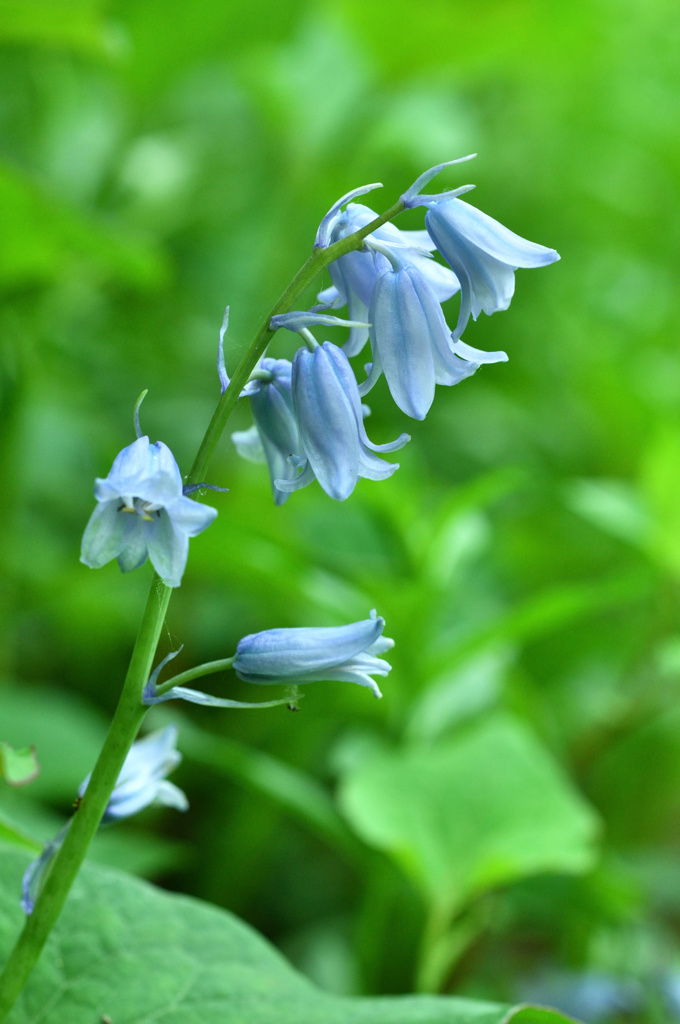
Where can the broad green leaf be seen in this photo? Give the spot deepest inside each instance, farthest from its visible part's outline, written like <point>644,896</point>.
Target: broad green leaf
<point>139,955</point>
<point>478,810</point>
<point>18,767</point>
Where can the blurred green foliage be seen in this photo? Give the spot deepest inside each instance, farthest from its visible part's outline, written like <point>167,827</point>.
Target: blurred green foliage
<point>160,160</point>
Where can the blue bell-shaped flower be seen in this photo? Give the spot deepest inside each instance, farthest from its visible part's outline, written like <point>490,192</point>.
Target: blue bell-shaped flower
<point>410,340</point>
<point>354,275</point>
<point>143,513</point>
<point>275,436</point>
<point>336,449</point>
<point>309,654</point>
<point>483,254</point>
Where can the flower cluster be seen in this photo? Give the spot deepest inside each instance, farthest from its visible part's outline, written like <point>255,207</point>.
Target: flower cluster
<point>309,414</point>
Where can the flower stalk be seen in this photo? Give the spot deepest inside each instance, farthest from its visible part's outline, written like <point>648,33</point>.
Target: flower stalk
<point>130,711</point>
<point>122,733</point>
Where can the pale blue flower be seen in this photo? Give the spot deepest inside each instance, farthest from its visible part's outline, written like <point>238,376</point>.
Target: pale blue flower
<point>354,275</point>
<point>141,782</point>
<point>142,512</point>
<point>336,449</point>
<point>307,655</point>
<point>410,340</point>
<point>36,872</point>
<point>482,253</point>
<point>275,438</point>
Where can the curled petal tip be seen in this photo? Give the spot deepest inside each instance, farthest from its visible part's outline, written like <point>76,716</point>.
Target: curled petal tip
<point>322,239</point>
<point>411,194</point>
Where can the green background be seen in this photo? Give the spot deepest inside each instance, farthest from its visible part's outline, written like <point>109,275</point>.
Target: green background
<point>159,160</point>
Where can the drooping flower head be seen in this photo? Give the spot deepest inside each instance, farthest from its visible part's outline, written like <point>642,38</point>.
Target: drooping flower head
<point>355,274</point>
<point>307,655</point>
<point>275,438</point>
<point>482,252</point>
<point>336,448</point>
<point>142,513</point>
<point>142,779</point>
<point>141,782</point>
<point>410,340</point>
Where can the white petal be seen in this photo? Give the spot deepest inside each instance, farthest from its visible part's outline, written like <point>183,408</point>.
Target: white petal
<point>168,550</point>
<point>248,444</point>
<point>190,517</point>
<point>477,355</point>
<point>104,535</point>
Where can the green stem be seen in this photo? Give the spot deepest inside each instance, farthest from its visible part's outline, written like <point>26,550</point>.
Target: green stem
<point>130,712</point>
<point>207,669</point>
<point>122,732</point>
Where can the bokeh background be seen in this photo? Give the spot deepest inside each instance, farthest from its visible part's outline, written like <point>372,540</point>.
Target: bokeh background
<point>505,823</point>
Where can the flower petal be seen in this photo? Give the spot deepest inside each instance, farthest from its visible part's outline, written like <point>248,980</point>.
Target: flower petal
<point>477,355</point>
<point>490,235</point>
<point>327,424</point>
<point>280,654</point>
<point>248,444</point>
<point>323,235</point>
<point>189,516</point>
<point>135,552</point>
<point>104,535</point>
<point>168,549</point>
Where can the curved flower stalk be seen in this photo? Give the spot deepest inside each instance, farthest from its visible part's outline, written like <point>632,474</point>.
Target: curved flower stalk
<point>354,276</point>
<point>308,655</point>
<point>143,513</point>
<point>336,449</point>
<point>141,782</point>
<point>275,437</point>
<point>482,252</point>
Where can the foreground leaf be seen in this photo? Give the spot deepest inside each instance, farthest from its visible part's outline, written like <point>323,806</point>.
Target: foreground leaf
<point>132,952</point>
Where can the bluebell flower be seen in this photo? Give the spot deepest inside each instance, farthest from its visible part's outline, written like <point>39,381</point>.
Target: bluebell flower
<point>307,655</point>
<point>482,252</point>
<point>141,782</point>
<point>275,438</point>
<point>336,449</point>
<point>410,340</point>
<point>142,512</point>
<point>142,779</point>
<point>354,275</point>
